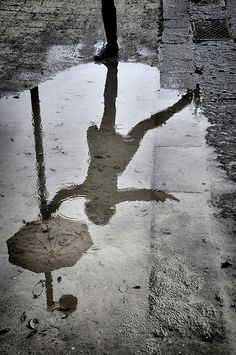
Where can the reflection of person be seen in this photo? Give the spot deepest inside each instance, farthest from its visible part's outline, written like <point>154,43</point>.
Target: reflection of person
<point>110,26</point>
<point>110,153</point>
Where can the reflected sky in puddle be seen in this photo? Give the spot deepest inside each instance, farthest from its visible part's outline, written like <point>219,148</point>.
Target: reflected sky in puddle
<point>94,132</point>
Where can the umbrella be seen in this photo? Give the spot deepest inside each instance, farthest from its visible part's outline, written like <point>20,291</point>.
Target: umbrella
<point>49,245</point>
<point>52,242</point>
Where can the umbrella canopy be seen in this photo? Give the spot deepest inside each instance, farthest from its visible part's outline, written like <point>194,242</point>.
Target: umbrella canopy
<point>49,245</point>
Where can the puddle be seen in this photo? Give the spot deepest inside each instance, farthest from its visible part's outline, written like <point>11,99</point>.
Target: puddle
<point>71,111</point>
<point>104,148</point>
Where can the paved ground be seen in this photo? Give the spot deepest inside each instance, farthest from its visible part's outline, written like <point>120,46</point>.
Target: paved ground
<point>207,63</point>
<point>160,276</point>
<point>210,63</point>
<point>39,39</point>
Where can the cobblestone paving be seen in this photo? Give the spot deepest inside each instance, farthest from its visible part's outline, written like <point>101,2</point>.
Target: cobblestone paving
<point>211,65</point>
<point>215,63</point>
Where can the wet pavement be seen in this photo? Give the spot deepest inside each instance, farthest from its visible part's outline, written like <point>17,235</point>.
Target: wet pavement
<point>110,243</point>
<point>118,171</point>
<point>40,39</point>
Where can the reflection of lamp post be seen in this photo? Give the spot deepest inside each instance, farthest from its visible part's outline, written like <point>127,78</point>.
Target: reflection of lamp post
<point>67,303</point>
<point>40,165</point>
<point>54,242</point>
<point>49,289</point>
<point>49,245</point>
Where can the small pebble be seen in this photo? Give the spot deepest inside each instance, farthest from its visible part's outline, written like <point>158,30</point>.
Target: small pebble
<point>225,265</point>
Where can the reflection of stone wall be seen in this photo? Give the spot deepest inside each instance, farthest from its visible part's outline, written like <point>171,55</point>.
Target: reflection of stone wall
<point>40,38</point>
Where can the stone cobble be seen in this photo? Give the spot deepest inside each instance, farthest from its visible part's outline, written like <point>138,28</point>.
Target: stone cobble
<point>217,80</point>
<point>210,64</point>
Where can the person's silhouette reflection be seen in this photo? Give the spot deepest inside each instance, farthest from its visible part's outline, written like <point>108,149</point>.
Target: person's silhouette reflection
<point>110,152</point>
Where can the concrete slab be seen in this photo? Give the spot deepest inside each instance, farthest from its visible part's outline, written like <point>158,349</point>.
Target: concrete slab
<point>176,80</point>
<point>189,175</point>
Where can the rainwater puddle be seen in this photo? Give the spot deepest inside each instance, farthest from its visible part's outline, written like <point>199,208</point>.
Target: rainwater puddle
<point>107,150</point>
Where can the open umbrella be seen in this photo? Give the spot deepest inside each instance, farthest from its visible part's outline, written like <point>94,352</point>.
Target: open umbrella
<point>52,242</point>
<point>49,245</point>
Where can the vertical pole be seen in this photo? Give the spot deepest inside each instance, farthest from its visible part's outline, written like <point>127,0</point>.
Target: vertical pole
<point>40,165</point>
<point>49,289</point>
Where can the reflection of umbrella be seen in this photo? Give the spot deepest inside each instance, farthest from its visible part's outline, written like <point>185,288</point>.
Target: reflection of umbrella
<point>49,245</point>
